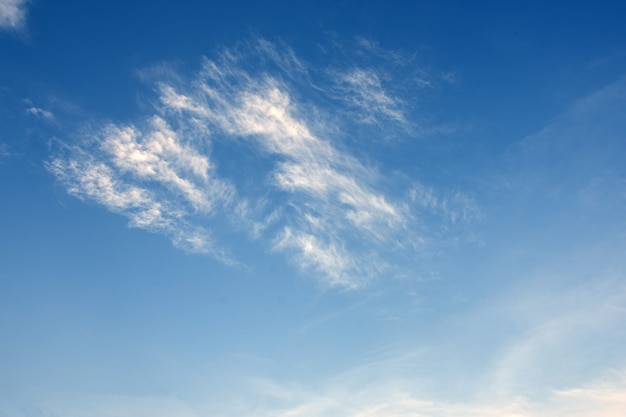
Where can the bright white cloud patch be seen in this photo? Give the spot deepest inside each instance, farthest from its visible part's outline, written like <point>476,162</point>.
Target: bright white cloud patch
<point>299,193</point>
<point>150,177</point>
<point>12,14</point>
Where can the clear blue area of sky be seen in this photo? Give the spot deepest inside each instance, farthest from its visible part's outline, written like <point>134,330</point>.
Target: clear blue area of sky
<point>343,208</point>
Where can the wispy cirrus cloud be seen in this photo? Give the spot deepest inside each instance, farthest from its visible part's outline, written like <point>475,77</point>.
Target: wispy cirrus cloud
<point>39,112</point>
<point>13,14</point>
<point>543,365</point>
<point>605,397</point>
<point>363,89</point>
<point>5,152</point>
<point>540,333</point>
<point>148,176</point>
<point>581,148</point>
<point>302,193</point>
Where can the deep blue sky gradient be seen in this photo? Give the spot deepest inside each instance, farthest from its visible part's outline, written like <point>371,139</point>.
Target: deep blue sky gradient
<point>500,292</point>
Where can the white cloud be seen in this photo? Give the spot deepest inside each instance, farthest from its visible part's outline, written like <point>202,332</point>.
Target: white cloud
<point>540,373</point>
<point>328,258</point>
<point>325,183</point>
<point>311,198</point>
<point>142,174</point>
<point>36,111</point>
<point>380,398</point>
<point>605,397</point>
<point>12,14</point>
<point>549,350</point>
<point>455,206</point>
<point>5,152</point>
<point>394,381</point>
<point>363,88</point>
<point>158,155</point>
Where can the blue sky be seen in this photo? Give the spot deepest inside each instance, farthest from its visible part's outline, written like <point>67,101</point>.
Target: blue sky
<point>312,209</point>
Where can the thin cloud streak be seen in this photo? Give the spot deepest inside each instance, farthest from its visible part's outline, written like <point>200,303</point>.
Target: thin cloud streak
<point>390,384</point>
<point>604,397</point>
<point>363,89</point>
<point>5,152</point>
<point>36,111</point>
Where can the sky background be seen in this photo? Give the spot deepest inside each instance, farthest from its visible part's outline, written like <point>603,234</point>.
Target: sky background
<point>298,209</point>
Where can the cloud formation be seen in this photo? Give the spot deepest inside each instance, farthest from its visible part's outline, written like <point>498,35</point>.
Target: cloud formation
<point>542,366</point>
<point>12,14</point>
<point>36,111</point>
<point>5,153</point>
<point>605,397</point>
<point>302,194</point>
<point>148,176</point>
<point>363,89</point>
